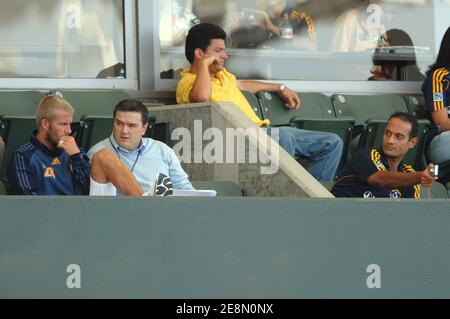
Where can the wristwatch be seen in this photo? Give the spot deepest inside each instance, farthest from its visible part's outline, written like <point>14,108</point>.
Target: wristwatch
<point>282,87</point>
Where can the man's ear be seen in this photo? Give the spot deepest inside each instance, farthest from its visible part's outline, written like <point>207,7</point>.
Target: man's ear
<point>144,128</point>
<point>45,124</point>
<point>413,142</point>
<point>198,53</point>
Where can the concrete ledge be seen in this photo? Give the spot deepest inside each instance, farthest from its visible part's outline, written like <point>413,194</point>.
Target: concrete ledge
<point>291,179</point>
<point>223,248</point>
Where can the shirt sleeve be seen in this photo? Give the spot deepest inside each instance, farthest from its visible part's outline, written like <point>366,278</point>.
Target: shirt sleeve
<point>366,163</point>
<point>21,175</point>
<point>184,88</point>
<point>180,179</point>
<point>433,90</point>
<point>80,171</point>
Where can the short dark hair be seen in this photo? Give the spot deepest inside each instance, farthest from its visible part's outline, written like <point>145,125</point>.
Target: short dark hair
<point>200,36</point>
<point>132,106</point>
<point>410,119</point>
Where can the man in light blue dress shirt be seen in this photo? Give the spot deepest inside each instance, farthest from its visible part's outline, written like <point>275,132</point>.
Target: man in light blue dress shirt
<point>144,158</point>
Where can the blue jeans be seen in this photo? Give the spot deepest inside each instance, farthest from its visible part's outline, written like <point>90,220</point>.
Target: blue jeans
<point>439,149</point>
<point>323,149</point>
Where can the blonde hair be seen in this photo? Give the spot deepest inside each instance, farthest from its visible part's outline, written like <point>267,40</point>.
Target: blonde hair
<point>49,105</point>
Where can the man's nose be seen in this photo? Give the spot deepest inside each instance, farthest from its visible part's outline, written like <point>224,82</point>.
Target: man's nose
<point>391,140</point>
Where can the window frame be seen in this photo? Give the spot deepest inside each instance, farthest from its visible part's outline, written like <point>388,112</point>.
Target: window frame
<point>130,82</point>
<point>354,87</point>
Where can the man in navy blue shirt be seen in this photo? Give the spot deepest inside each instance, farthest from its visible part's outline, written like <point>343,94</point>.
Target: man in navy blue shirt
<point>51,163</point>
<point>379,172</point>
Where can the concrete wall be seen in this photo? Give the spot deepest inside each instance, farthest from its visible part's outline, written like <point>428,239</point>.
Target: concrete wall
<point>291,179</point>
<point>223,248</point>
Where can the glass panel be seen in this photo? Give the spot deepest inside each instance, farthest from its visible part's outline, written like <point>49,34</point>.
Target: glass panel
<point>312,40</point>
<point>62,39</point>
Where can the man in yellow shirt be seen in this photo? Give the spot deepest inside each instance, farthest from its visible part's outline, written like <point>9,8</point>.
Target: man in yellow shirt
<point>208,80</point>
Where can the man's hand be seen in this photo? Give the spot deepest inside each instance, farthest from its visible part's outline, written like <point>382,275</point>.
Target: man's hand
<point>209,60</point>
<point>291,98</point>
<point>426,179</point>
<point>68,144</point>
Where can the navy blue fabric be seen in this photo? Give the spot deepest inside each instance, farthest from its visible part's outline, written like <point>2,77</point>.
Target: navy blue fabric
<point>35,170</point>
<point>352,180</point>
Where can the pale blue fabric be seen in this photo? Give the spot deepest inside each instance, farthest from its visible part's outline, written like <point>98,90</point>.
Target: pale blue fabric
<point>155,157</point>
<point>439,149</point>
<point>324,150</point>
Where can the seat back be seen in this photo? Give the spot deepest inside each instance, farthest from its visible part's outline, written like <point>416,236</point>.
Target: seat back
<point>223,188</point>
<point>93,130</point>
<point>16,131</point>
<point>94,102</point>
<point>314,105</point>
<point>254,103</point>
<point>364,107</point>
<point>316,114</point>
<point>416,106</point>
<point>160,132</point>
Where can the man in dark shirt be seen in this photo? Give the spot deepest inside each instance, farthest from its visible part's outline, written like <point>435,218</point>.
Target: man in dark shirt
<point>373,173</point>
<point>51,163</point>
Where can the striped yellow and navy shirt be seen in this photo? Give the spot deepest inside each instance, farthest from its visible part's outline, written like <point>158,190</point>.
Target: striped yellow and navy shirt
<point>436,90</point>
<point>352,181</point>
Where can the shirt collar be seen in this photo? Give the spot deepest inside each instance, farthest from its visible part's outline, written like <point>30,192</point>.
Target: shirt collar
<point>386,163</point>
<point>53,153</point>
<point>122,150</point>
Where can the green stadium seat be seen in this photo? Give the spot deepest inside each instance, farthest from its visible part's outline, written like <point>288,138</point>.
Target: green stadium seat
<point>16,131</point>
<point>316,114</point>
<point>314,106</point>
<point>20,104</point>
<point>159,131</point>
<point>93,130</point>
<point>416,105</point>
<point>223,188</point>
<point>253,100</point>
<point>364,109</point>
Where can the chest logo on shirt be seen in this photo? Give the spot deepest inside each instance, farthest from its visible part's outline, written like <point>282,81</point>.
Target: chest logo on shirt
<point>376,158</point>
<point>395,194</point>
<point>49,172</point>
<point>56,161</point>
<point>368,195</point>
<point>438,97</point>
